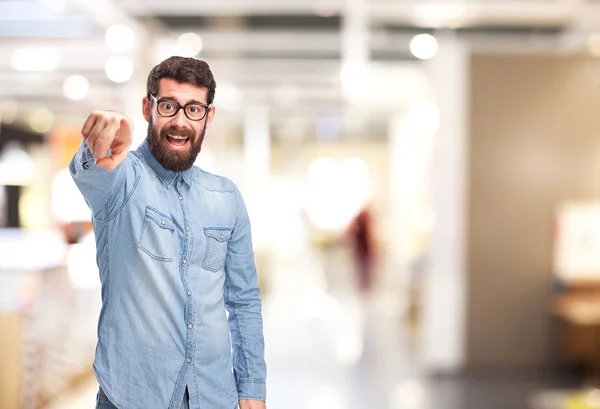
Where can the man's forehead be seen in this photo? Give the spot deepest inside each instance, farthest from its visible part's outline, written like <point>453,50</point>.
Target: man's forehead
<point>168,87</point>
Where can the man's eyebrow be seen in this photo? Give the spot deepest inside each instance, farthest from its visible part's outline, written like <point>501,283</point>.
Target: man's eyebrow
<point>192,101</point>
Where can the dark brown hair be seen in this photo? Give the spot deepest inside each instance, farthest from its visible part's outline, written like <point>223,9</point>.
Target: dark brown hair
<point>184,70</point>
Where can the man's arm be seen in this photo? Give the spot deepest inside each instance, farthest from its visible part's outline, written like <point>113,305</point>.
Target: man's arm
<point>242,299</point>
<point>95,167</point>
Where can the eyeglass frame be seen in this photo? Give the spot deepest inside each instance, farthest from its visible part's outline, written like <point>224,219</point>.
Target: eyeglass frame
<point>206,107</point>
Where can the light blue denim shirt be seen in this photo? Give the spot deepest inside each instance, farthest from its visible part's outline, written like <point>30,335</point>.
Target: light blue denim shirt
<point>180,296</point>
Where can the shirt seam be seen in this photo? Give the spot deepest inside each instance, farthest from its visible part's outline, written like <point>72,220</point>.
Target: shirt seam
<point>215,189</point>
<point>244,349</point>
<point>237,325</point>
<point>116,213</point>
<point>107,266</point>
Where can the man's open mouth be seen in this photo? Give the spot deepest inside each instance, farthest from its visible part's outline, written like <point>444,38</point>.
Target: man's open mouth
<point>177,140</point>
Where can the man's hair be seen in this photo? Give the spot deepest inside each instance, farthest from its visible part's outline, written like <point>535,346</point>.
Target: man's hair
<point>184,70</point>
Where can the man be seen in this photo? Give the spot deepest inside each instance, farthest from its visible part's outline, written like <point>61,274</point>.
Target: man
<point>174,252</point>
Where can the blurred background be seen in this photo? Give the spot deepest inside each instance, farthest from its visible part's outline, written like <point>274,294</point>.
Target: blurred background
<point>423,179</point>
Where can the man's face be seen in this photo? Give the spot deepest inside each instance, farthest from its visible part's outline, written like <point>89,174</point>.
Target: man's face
<point>176,141</point>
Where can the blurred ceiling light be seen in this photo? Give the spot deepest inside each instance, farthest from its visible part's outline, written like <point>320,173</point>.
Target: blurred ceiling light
<point>41,120</point>
<point>424,117</point>
<point>76,87</point>
<point>119,38</point>
<point>594,45</point>
<point>16,166</point>
<point>35,59</point>
<point>119,69</point>
<point>8,111</point>
<point>189,44</point>
<point>424,46</point>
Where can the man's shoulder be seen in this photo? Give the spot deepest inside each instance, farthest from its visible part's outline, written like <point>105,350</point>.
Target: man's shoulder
<point>213,182</point>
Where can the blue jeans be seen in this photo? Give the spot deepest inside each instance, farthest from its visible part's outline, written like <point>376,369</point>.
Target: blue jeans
<point>102,401</point>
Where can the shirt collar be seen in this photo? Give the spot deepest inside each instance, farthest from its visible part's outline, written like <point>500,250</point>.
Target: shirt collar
<point>166,176</point>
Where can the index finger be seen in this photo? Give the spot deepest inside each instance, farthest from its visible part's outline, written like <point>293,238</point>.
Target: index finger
<point>88,125</point>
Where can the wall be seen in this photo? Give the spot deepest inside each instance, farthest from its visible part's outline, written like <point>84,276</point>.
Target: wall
<point>534,142</point>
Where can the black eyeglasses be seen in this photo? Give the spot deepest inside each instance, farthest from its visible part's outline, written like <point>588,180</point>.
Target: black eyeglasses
<point>194,111</point>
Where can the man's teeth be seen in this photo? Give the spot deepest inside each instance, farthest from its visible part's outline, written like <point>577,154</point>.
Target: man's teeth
<point>177,137</point>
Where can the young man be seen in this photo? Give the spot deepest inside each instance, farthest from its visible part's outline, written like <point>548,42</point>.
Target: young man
<point>175,253</point>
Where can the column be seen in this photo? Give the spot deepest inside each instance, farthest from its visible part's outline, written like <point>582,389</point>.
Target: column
<point>443,336</point>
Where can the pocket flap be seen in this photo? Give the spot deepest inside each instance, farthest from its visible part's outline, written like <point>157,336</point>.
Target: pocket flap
<point>161,219</point>
<point>218,234</point>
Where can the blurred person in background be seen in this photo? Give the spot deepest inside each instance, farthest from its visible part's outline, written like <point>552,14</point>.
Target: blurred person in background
<point>175,254</point>
<point>360,239</point>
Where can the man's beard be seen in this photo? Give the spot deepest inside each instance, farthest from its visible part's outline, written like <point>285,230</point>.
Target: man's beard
<point>170,159</point>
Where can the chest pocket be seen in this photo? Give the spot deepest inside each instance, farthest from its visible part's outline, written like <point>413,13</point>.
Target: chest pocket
<point>216,248</point>
<point>156,238</point>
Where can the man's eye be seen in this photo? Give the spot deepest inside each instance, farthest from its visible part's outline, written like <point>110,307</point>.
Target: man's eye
<point>168,107</point>
<point>193,109</point>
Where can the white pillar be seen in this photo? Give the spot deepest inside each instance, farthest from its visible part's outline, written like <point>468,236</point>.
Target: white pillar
<point>407,154</point>
<point>355,31</point>
<point>257,146</point>
<point>354,34</point>
<point>443,335</point>
<point>257,163</point>
<point>135,89</point>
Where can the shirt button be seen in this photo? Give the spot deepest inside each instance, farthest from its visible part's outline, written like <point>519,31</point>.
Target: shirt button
<point>190,326</point>
<point>180,197</point>
<point>163,222</point>
<point>187,228</point>
<point>189,360</point>
<point>189,293</point>
<point>222,237</point>
<point>184,261</point>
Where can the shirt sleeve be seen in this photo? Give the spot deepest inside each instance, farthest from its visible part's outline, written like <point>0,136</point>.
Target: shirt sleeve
<point>105,192</point>
<point>242,300</point>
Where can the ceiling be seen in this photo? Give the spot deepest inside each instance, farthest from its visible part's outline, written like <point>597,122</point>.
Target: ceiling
<point>286,55</point>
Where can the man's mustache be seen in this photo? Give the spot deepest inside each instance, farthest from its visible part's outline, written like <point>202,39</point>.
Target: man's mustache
<point>173,130</point>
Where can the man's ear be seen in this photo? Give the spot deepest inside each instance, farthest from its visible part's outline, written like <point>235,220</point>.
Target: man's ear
<point>147,108</point>
<point>210,115</point>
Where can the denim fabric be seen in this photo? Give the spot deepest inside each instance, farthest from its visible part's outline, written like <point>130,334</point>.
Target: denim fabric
<point>102,402</point>
<point>180,298</point>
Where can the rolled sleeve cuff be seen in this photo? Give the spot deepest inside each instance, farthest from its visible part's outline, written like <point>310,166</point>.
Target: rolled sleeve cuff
<point>83,160</point>
<point>252,390</point>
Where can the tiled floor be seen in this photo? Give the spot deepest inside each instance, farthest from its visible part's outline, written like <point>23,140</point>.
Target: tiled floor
<point>331,348</point>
